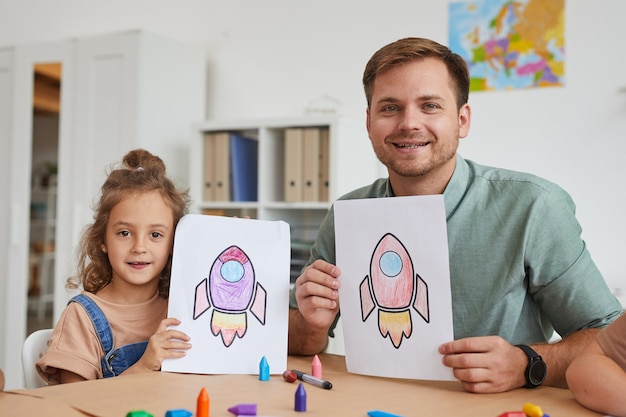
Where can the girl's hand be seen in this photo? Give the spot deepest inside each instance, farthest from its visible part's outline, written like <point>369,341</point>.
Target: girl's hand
<point>163,344</point>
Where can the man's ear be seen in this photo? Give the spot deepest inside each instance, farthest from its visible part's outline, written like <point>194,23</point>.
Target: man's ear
<point>465,114</point>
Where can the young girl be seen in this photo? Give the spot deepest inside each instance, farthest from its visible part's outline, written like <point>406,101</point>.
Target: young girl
<point>118,324</point>
<point>597,377</point>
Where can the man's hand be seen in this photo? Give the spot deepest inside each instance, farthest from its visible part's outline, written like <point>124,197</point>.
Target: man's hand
<point>318,304</point>
<point>485,364</point>
<point>317,294</point>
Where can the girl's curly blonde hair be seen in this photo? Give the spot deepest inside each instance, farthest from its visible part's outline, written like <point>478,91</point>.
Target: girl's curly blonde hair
<point>140,172</point>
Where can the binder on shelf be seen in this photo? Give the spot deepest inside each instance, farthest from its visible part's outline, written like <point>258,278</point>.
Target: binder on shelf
<point>294,138</point>
<point>208,184</point>
<point>244,167</point>
<point>214,212</point>
<point>324,164</point>
<point>222,166</point>
<point>311,164</point>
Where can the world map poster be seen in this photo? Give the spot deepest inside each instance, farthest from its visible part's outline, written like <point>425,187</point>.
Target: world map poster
<point>510,44</point>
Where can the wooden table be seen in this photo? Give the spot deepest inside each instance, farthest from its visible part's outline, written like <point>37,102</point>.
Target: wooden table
<point>351,395</point>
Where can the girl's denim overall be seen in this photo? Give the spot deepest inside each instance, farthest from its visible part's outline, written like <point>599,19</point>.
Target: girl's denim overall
<point>115,361</point>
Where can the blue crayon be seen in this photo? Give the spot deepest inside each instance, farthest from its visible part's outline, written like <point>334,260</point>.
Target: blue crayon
<point>181,412</point>
<point>264,370</point>
<point>378,413</point>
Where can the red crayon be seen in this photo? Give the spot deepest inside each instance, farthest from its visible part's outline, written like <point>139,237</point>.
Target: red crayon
<point>203,403</point>
<point>290,376</point>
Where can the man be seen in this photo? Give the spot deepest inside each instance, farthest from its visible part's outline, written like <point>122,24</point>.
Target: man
<point>518,266</point>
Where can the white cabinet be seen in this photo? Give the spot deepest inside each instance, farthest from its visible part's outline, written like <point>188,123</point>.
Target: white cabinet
<point>118,92</point>
<point>351,164</point>
<point>42,257</point>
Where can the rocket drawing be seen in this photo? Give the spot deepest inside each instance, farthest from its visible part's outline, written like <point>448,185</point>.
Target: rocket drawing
<point>393,287</point>
<point>231,289</point>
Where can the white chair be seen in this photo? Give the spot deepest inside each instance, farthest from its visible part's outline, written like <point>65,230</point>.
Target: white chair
<point>33,348</point>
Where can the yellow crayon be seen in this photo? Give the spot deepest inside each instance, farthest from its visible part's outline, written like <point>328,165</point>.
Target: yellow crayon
<point>532,410</point>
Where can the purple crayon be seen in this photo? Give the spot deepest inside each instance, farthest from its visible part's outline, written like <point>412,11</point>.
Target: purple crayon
<point>243,409</point>
<point>300,398</point>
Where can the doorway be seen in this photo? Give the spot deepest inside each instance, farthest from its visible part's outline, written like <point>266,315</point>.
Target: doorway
<point>43,198</point>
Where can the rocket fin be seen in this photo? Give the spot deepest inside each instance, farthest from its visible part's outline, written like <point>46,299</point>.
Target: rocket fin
<point>201,302</point>
<point>367,302</point>
<point>259,303</point>
<point>421,304</point>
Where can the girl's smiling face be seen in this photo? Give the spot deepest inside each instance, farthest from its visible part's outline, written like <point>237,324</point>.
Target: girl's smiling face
<point>139,240</point>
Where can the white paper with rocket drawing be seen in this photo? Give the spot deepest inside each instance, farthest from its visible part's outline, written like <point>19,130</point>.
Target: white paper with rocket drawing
<point>395,296</point>
<point>230,289</point>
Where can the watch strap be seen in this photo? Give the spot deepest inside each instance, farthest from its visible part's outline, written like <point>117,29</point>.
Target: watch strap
<point>532,358</point>
<point>530,352</point>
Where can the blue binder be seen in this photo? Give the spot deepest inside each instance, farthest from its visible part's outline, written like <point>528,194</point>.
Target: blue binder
<point>244,157</point>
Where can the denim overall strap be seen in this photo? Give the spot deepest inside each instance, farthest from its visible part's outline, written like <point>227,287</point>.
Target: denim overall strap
<point>115,361</point>
<point>103,329</point>
<point>99,320</point>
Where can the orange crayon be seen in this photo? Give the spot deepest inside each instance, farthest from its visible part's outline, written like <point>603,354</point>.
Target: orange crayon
<point>203,403</point>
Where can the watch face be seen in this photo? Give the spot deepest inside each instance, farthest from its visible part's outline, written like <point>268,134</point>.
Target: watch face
<point>537,372</point>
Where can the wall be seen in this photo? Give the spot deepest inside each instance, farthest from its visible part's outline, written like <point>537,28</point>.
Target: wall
<point>273,58</point>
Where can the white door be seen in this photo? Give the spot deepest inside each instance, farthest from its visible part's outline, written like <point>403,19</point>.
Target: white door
<point>16,128</point>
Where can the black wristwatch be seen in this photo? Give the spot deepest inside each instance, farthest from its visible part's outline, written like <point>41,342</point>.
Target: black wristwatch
<point>536,370</point>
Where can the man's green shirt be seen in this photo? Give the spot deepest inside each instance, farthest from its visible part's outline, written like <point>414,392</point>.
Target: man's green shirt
<point>518,265</point>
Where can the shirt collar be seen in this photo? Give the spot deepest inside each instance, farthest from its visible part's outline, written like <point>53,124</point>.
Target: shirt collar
<point>456,188</point>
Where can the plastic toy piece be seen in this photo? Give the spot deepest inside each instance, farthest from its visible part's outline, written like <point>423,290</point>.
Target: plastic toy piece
<point>300,398</point>
<point>513,414</point>
<point>243,409</point>
<point>290,376</point>
<point>181,412</point>
<point>203,404</point>
<point>532,410</point>
<point>378,413</point>
<point>316,367</point>
<point>264,370</point>
<point>139,413</point>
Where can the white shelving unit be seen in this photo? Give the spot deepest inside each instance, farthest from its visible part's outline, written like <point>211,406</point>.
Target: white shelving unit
<point>352,164</point>
<point>42,253</point>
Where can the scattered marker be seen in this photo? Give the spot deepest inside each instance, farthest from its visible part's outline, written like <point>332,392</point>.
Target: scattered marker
<point>290,376</point>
